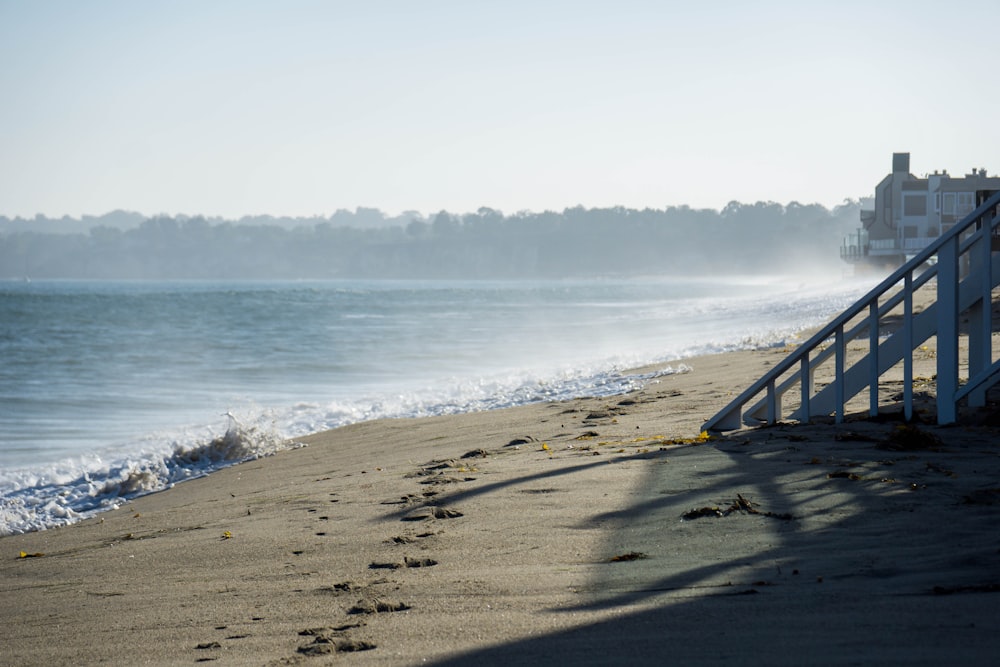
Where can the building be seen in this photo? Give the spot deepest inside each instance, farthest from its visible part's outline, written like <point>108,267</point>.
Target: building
<point>908,213</point>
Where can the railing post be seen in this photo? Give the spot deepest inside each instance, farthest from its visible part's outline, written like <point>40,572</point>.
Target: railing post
<point>947,331</point>
<point>773,404</point>
<point>730,420</point>
<point>980,313</point>
<point>873,357</point>
<point>839,365</point>
<point>806,385</point>
<point>908,346</point>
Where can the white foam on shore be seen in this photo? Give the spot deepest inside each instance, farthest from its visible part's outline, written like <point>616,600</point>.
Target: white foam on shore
<point>73,489</point>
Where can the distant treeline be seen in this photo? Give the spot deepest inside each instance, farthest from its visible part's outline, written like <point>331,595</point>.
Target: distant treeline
<point>485,244</point>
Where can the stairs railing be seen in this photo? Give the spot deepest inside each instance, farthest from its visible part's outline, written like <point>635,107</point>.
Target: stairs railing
<point>966,270</point>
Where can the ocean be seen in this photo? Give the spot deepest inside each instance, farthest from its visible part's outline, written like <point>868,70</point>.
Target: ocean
<point>109,390</point>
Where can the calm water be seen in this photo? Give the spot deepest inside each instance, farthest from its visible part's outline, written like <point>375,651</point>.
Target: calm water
<point>109,389</point>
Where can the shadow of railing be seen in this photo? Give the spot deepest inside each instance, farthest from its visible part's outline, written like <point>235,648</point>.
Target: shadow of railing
<point>881,561</point>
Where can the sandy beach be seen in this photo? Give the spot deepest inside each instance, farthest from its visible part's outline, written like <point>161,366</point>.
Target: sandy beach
<point>592,531</point>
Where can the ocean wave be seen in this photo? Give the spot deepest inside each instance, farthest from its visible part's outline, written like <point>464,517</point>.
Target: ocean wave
<point>76,489</point>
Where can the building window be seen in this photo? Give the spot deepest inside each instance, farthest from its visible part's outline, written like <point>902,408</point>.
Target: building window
<point>948,203</point>
<point>915,205</point>
<point>964,203</point>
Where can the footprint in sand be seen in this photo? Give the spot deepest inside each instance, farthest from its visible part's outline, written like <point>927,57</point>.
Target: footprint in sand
<point>476,454</point>
<point>432,468</point>
<point>319,647</point>
<point>409,539</point>
<point>330,632</point>
<point>377,606</point>
<point>352,587</point>
<point>339,588</point>
<point>408,499</point>
<point>407,562</point>
<point>384,566</point>
<point>425,513</point>
<point>442,478</point>
<point>333,640</point>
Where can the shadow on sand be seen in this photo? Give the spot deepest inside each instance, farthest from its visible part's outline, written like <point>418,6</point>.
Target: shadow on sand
<point>889,556</point>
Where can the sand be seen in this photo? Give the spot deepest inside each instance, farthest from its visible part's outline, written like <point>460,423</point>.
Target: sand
<point>592,531</point>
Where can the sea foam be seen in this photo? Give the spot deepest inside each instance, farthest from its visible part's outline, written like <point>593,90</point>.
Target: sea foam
<point>77,488</point>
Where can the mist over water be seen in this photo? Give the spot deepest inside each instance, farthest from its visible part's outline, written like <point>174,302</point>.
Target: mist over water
<point>112,389</point>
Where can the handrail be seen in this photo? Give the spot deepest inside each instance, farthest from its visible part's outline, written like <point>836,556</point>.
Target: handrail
<point>947,248</point>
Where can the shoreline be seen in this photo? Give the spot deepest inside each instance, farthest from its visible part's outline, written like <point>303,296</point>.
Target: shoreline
<point>196,459</point>
<point>587,531</point>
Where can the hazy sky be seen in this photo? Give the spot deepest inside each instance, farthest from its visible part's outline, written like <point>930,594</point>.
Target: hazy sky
<point>299,107</point>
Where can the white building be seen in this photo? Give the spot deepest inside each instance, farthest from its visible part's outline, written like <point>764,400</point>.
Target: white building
<point>908,213</point>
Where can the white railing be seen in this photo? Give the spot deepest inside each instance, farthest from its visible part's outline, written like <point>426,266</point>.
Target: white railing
<point>966,270</point>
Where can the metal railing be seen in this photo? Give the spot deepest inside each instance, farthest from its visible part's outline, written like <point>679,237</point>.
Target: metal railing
<point>966,271</point>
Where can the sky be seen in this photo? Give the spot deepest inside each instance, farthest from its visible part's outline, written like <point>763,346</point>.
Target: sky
<point>301,108</point>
